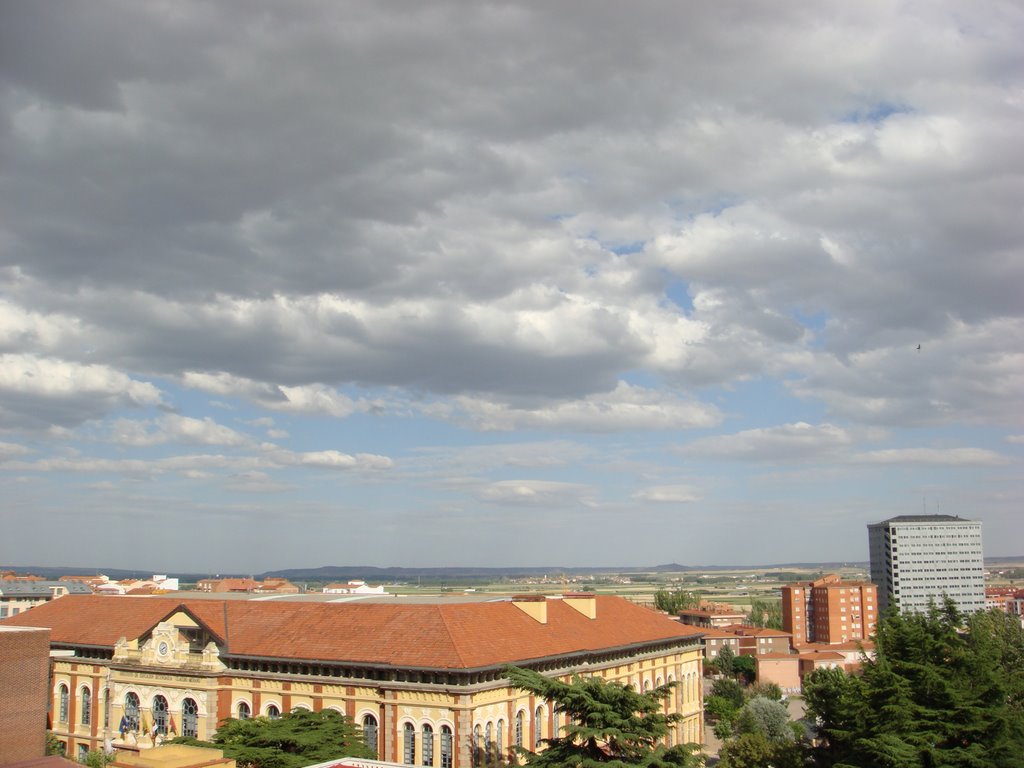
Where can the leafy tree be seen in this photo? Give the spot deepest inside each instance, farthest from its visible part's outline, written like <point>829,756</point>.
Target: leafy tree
<point>754,750</point>
<point>745,667</point>
<point>54,746</point>
<point>837,701</point>
<point>724,662</point>
<point>765,613</point>
<point>729,689</point>
<point>611,724</point>
<point>942,692</point>
<point>296,739</point>
<point>765,690</point>
<point>767,717</point>
<point>96,758</point>
<point>676,600</point>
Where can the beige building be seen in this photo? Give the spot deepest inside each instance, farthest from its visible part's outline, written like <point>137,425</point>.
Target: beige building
<point>424,681</point>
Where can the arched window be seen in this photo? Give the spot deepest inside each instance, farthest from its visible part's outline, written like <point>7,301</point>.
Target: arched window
<point>409,745</point>
<point>446,747</point>
<point>130,721</point>
<point>62,695</point>
<point>427,745</point>
<point>244,713</point>
<point>190,718</point>
<point>478,745</point>
<point>489,741</point>
<point>273,712</point>
<point>499,739</point>
<point>86,714</point>
<point>538,727</point>
<point>370,731</point>
<point>519,728</point>
<point>160,715</point>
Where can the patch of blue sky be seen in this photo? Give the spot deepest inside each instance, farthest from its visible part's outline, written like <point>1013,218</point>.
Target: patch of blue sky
<point>761,403</point>
<point>815,321</point>
<point>876,113</point>
<point>686,210</point>
<point>678,292</point>
<point>624,249</point>
<point>950,436</point>
<point>641,378</point>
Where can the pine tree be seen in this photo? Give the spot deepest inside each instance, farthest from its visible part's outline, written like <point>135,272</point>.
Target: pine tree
<point>610,725</point>
<point>296,739</point>
<point>942,692</point>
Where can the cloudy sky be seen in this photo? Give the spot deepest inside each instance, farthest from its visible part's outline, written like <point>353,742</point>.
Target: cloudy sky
<point>449,283</point>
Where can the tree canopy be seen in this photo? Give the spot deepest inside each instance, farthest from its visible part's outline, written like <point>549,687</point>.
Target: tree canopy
<point>296,739</point>
<point>765,613</point>
<point>674,601</point>
<point>610,725</point>
<point>942,692</point>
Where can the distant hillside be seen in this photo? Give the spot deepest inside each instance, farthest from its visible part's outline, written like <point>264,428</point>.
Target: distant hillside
<point>450,575</point>
<point>55,572</point>
<point>472,575</point>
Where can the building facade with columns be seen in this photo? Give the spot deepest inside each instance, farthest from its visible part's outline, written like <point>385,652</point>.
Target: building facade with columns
<point>425,682</point>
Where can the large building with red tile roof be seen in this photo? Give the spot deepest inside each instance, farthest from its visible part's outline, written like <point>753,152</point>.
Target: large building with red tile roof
<point>425,681</point>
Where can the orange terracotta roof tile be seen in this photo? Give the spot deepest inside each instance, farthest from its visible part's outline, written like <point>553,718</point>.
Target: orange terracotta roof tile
<point>439,636</point>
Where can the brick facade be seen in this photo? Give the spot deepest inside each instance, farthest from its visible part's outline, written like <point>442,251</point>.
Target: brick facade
<point>24,692</point>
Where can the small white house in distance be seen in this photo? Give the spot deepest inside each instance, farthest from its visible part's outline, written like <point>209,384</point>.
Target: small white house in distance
<point>354,588</point>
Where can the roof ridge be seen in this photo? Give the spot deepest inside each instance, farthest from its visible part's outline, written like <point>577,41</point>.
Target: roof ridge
<point>451,635</point>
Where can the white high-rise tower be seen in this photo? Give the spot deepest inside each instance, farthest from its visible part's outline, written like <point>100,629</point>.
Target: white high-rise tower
<point>920,559</point>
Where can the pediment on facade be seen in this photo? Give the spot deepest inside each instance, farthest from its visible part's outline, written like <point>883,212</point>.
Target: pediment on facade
<point>178,641</point>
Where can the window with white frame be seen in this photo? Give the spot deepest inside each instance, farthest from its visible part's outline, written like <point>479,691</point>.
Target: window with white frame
<point>427,745</point>
<point>370,731</point>
<point>159,715</point>
<point>446,747</point>
<point>86,714</point>
<point>409,744</point>
<point>130,721</point>
<point>190,718</point>
<point>63,696</point>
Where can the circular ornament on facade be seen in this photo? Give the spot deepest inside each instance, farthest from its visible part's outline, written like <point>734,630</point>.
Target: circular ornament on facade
<point>162,649</point>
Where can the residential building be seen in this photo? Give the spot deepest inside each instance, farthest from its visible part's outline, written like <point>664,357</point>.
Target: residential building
<point>716,639</point>
<point>829,610</point>
<point>754,641</point>
<point>708,614</point>
<point>18,596</point>
<point>425,680</point>
<point>273,585</point>
<point>355,587</point>
<point>918,560</point>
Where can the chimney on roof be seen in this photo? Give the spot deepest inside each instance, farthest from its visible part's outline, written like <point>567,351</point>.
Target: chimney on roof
<point>584,602</point>
<point>534,606</point>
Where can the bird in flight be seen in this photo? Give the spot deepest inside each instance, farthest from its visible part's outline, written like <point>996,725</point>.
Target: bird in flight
<point>918,347</point>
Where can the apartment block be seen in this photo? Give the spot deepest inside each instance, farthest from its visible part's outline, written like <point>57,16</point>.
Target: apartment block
<point>918,560</point>
<point>829,610</point>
